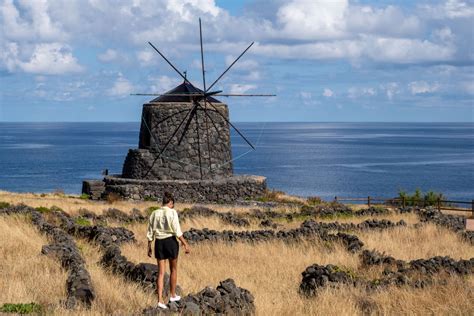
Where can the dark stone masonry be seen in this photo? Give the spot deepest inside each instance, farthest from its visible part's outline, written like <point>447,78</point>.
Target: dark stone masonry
<point>181,161</point>
<point>195,163</point>
<point>217,190</point>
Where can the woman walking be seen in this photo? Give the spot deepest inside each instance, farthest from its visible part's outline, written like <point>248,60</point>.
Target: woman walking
<point>164,228</point>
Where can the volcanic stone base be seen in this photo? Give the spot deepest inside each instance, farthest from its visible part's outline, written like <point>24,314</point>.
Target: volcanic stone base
<point>93,188</point>
<point>218,190</point>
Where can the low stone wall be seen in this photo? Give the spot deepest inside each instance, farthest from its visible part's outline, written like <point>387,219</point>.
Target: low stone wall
<point>217,190</point>
<point>79,284</point>
<point>93,188</point>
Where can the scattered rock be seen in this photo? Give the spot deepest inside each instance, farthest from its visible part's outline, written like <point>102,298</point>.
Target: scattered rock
<point>227,299</point>
<point>316,277</point>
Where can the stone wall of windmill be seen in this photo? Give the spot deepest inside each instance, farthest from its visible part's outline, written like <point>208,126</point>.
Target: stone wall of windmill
<point>204,152</point>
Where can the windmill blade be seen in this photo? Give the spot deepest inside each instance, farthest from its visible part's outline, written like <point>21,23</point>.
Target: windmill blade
<point>208,116</point>
<point>198,143</point>
<point>230,66</point>
<point>245,95</point>
<point>186,127</point>
<point>235,128</point>
<point>172,66</point>
<point>167,143</point>
<point>202,59</point>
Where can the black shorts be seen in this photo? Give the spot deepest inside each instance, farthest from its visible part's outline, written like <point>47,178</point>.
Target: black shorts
<point>167,248</point>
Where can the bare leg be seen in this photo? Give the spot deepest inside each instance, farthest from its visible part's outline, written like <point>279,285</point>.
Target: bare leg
<point>160,279</point>
<point>173,275</point>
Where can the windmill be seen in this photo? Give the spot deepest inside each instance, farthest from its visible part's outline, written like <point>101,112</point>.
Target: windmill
<point>185,132</point>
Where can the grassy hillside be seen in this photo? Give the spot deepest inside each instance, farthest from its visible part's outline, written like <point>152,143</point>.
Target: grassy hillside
<point>270,270</point>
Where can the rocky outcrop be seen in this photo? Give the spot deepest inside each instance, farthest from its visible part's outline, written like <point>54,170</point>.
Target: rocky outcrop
<point>226,299</point>
<point>316,277</point>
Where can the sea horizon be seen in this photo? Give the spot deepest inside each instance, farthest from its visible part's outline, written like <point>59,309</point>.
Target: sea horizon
<point>326,159</point>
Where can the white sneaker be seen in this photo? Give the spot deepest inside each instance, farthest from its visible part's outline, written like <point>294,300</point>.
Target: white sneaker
<point>175,299</point>
<point>163,306</point>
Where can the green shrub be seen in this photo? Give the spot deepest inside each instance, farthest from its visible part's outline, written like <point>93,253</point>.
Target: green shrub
<point>419,198</point>
<point>4,205</point>
<point>314,200</point>
<point>42,209</point>
<point>150,210</point>
<point>81,221</point>
<point>150,199</point>
<point>21,308</point>
<point>84,196</point>
<point>55,208</point>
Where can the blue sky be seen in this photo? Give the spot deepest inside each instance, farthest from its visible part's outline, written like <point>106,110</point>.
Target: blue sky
<point>327,60</point>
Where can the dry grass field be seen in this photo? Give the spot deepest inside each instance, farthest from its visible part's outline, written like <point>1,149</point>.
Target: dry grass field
<point>271,271</point>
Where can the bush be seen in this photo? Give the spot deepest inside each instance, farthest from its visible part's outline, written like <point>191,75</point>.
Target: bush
<point>43,209</point>
<point>314,200</point>
<point>85,196</point>
<point>150,210</point>
<point>81,221</point>
<point>419,198</point>
<point>59,192</point>
<point>150,199</point>
<point>4,205</point>
<point>21,308</point>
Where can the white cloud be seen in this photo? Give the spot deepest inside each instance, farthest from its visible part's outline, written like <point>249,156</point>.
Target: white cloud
<point>51,59</point>
<point>328,93</point>
<point>468,87</point>
<point>162,84</point>
<point>145,57</point>
<point>444,34</point>
<point>355,92</point>
<point>307,98</point>
<point>420,87</point>
<point>302,19</point>
<point>451,9</point>
<point>242,64</point>
<point>108,56</point>
<point>34,23</point>
<point>121,88</point>
<point>368,20</point>
<point>241,88</point>
<point>391,89</point>
<point>381,49</point>
<point>252,76</point>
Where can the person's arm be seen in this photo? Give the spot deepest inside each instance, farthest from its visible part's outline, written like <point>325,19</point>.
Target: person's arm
<point>150,233</point>
<point>179,234</point>
<point>184,243</point>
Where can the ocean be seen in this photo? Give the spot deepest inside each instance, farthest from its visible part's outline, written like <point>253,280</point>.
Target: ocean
<point>306,159</point>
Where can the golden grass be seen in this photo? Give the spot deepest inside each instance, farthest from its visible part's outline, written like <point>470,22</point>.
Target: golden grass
<point>425,242</point>
<point>25,274</point>
<point>271,270</point>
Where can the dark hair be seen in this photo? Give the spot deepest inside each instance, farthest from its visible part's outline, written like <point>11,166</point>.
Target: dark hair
<point>167,197</point>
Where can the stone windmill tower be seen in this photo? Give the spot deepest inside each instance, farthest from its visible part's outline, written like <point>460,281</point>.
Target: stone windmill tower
<point>199,150</point>
<point>184,147</point>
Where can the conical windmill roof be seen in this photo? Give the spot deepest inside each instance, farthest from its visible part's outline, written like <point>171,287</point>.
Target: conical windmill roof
<point>185,88</point>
